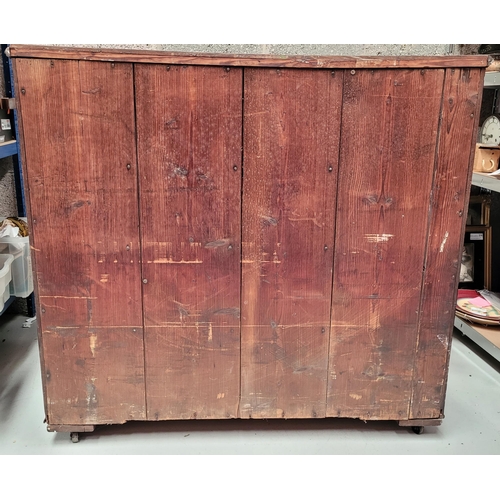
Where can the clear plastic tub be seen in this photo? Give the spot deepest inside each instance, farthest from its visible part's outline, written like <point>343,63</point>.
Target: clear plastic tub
<point>5,278</point>
<point>22,275</point>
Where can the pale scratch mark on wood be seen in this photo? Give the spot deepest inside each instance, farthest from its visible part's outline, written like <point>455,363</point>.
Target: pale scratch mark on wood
<point>64,297</point>
<point>312,219</point>
<point>114,327</point>
<point>442,338</point>
<point>92,342</point>
<point>378,238</point>
<point>443,243</point>
<point>171,261</point>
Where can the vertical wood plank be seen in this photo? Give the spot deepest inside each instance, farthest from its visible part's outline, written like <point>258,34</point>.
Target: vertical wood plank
<point>78,118</point>
<point>461,101</point>
<point>189,144</point>
<point>292,125</point>
<point>389,128</point>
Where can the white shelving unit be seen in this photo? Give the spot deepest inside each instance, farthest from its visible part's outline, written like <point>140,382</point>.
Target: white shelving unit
<point>486,337</point>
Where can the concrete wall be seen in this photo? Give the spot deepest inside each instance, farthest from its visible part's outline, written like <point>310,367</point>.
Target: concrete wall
<point>302,49</point>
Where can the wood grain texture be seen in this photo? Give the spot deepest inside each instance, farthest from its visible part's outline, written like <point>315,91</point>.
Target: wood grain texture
<point>292,126</point>
<point>78,129</point>
<point>189,137</point>
<point>389,128</point>
<point>461,103</point>
<point>22,150</point>
<point>249,60</point>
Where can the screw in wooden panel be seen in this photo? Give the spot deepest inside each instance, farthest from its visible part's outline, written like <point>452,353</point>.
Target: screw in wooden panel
<point>330,169</point>
<point>167,68</point>
<point>228,69</point>
<point>23,91</point>
<point>43,310</point>
<point>323,330</point>
<point>422,71</point>
<point>353,72</point>
<point>325,248</point>
<point>472,115</point>
<point>144,280</point>
<point>129,166</point>
<point>127,247</point>
<point>235,167</point>
<point>230,247</point>
<point>333,73</point>
<point>112,65</point>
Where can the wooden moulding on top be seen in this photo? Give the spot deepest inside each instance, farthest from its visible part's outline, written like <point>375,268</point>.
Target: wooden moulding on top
<point>277,61</point>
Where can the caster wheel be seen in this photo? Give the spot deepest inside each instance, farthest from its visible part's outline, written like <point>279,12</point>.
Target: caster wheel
<point>418,429</point>
<point>74,437</point>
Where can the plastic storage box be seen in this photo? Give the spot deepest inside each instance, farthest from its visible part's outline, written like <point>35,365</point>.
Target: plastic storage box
<point>22,275</point>
<point>5,278</point>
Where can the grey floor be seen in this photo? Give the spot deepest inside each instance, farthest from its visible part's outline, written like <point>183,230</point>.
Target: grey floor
<point>471,426</point>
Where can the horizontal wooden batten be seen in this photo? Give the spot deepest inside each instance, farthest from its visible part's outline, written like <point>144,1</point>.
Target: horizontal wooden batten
<point>325,62</point>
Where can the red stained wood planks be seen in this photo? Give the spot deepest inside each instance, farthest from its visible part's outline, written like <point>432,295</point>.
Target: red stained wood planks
<point>389,127</point>
<point>292,126</point>
<point>189,140</point>
<point>79,118</point>
<point>219,304</point>
<point>462,93</point>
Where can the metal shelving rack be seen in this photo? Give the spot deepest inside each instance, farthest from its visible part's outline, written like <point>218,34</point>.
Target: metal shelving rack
<point>11,149</point>
<point>488,338</point>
